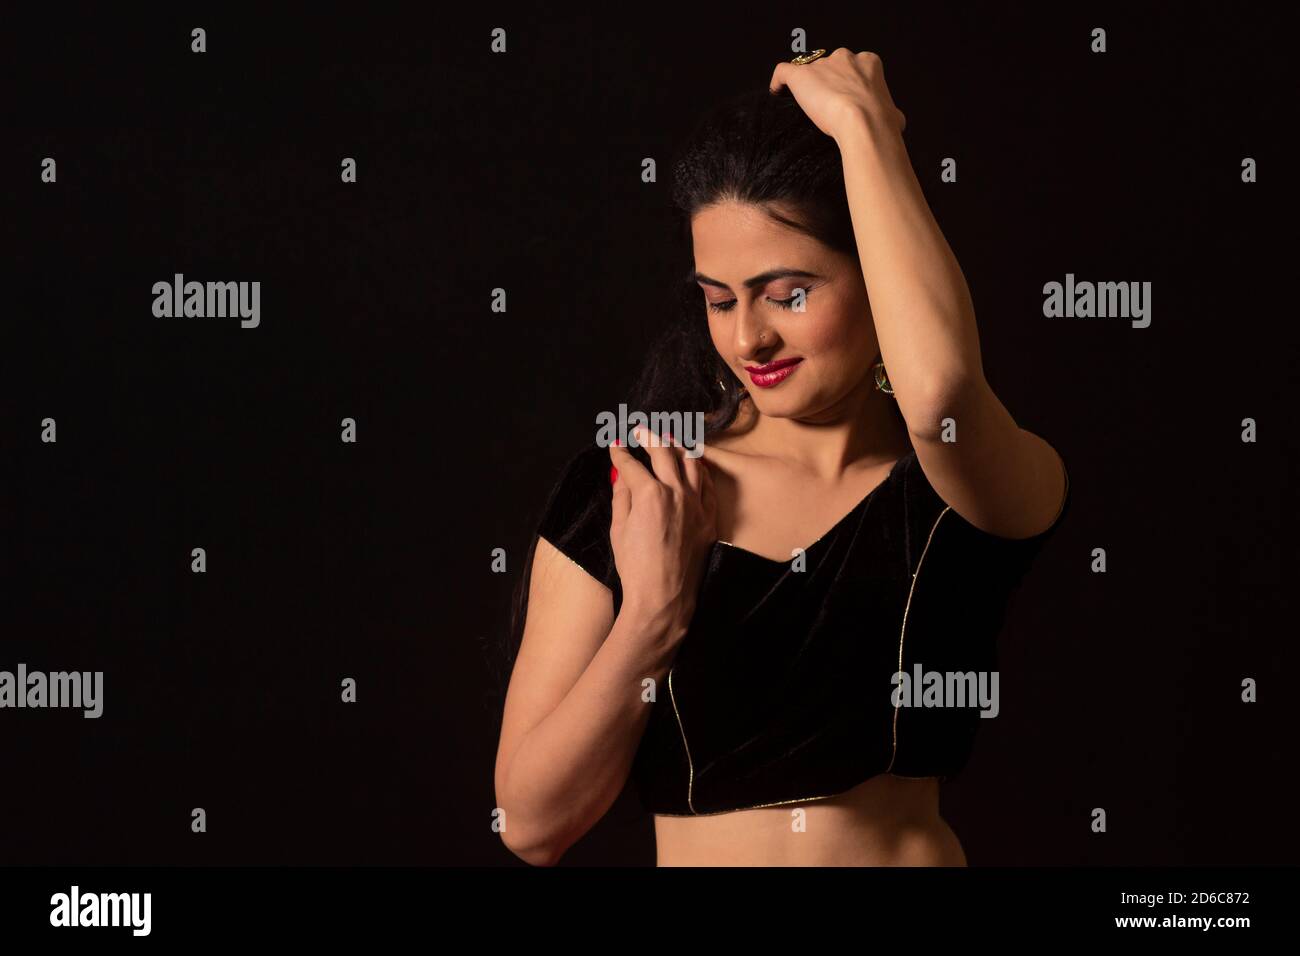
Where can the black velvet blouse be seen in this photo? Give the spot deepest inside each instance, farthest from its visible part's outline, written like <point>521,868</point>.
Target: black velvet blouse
<point>783,690</point>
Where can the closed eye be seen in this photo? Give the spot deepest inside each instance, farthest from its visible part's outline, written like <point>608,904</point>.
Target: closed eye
<point>726,306</point>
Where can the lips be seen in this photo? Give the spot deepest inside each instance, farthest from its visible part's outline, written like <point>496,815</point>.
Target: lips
<point>772,366</point>
<point>770,373</point>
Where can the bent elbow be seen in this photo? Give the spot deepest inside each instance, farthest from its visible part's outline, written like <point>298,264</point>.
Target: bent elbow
<point>537,837</point>
<point>539,852</point>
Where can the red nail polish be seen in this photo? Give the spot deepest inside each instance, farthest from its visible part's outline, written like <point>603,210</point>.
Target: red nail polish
<point>613,474</point>
<point>617,443</point>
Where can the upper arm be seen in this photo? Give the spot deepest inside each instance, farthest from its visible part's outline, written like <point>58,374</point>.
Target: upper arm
<point>1002,479</point>
<point>569,616</point>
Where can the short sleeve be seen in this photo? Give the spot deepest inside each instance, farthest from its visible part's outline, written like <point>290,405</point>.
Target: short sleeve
<point>1014,556</point>
<point>577,516</point>
<point>1004,559</point>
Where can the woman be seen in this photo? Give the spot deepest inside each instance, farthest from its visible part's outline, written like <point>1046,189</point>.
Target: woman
<point>738,632</point>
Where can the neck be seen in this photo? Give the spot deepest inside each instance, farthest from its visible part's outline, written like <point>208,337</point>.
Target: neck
<point>861,430</point>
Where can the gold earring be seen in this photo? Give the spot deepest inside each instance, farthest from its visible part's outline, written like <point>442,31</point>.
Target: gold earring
<point>882,380</point>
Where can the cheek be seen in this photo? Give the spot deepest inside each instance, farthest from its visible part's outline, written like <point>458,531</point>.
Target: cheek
<point>839,337</point>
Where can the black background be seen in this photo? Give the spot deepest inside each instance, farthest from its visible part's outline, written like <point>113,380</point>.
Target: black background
<point>327,560</point>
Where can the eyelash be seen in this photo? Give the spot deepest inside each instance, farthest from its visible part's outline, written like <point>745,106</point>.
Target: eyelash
<point>726,306</point>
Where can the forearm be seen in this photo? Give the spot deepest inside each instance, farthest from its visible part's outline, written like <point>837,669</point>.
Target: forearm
<point>924,316</point>
<point>570,768</point>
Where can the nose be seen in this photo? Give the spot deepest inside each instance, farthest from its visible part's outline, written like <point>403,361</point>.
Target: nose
<point>752,337</point>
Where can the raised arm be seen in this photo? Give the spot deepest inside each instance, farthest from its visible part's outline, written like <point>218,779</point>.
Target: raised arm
<point>999,477</point>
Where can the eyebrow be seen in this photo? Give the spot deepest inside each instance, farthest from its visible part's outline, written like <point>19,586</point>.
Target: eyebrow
<point>761,279</point>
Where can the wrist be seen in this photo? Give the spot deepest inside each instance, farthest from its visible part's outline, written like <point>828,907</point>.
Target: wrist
<point>862,129</point>
<point>656,620</point>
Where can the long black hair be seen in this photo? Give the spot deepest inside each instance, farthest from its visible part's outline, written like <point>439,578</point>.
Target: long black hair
<point>758,148</point>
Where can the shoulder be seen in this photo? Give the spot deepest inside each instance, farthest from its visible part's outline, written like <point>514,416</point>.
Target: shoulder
<point>576,517</point>
<point>580,483</point>
<point>723,455</point>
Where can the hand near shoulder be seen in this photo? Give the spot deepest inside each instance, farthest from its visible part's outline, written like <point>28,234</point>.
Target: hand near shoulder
<point>663,525</point>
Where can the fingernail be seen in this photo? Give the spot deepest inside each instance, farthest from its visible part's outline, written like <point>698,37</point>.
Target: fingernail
<point>617,443</point>
<point>613,474</point>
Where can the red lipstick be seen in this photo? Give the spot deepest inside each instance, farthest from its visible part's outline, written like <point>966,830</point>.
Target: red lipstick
<point>770,373</point>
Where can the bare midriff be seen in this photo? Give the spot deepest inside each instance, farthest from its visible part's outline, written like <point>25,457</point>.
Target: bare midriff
<point>884,821</point>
